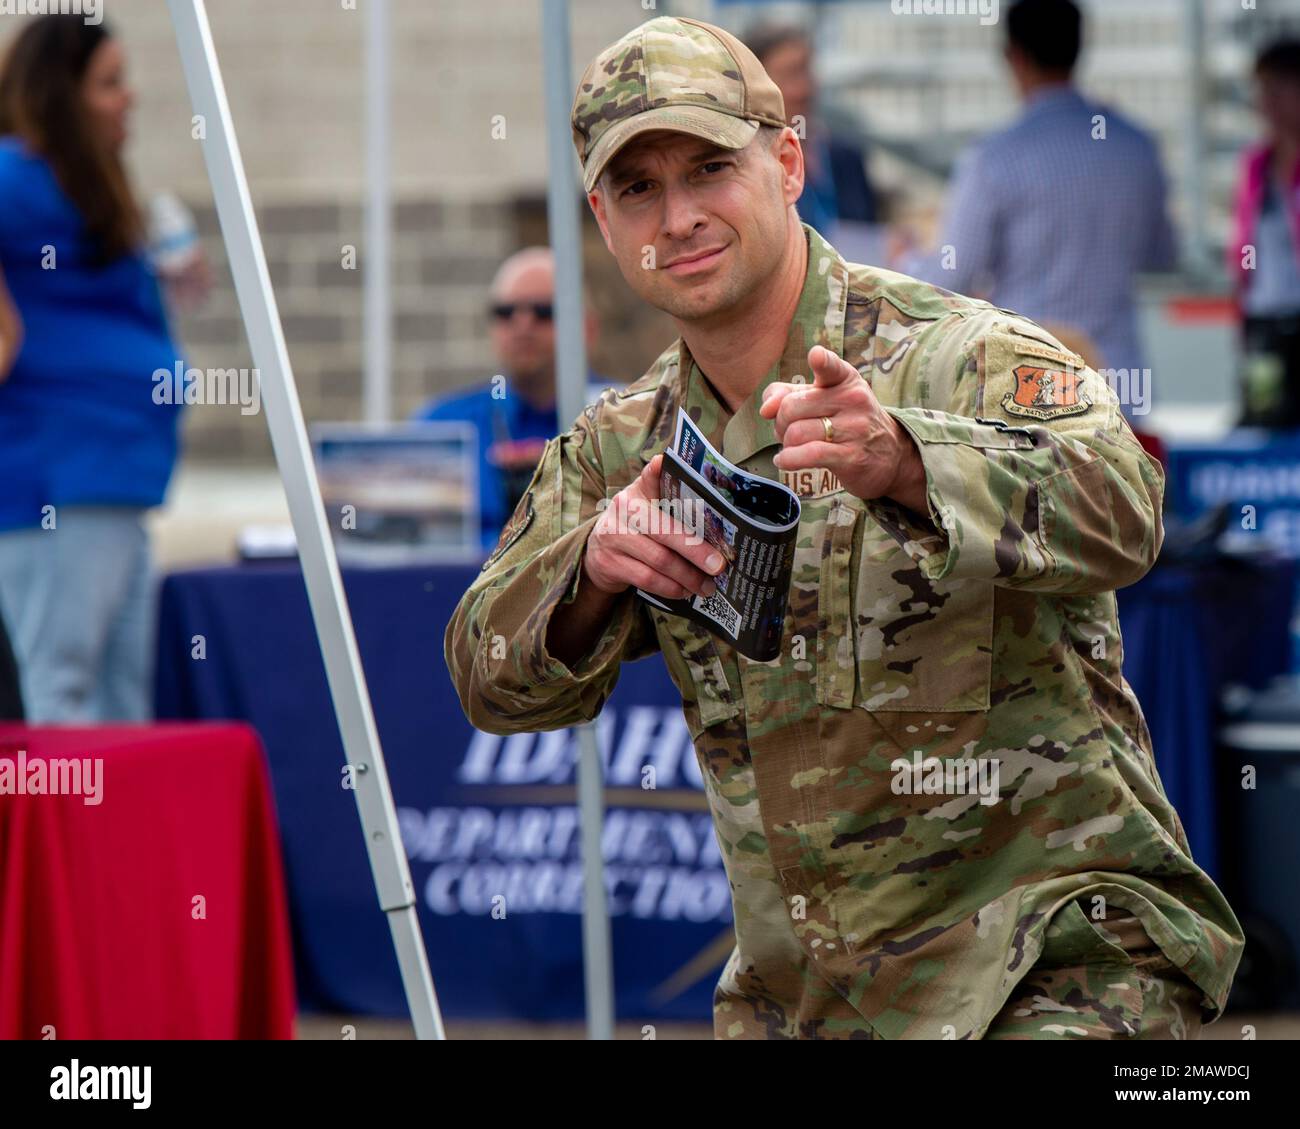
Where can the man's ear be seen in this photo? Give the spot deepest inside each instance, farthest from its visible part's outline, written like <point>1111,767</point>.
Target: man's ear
<point>789,153</point>
<point>597,201</point>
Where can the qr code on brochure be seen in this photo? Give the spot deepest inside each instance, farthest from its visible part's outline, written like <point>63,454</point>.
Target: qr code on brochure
<point>721,612</point>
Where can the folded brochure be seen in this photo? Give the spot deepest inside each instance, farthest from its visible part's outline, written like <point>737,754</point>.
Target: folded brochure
<point>752,521</point>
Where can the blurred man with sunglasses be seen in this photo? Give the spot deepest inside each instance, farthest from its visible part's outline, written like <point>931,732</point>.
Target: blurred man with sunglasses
<point>514,411</point>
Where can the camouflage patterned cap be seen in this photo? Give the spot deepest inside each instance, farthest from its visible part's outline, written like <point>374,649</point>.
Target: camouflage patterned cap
<point>675,74</point>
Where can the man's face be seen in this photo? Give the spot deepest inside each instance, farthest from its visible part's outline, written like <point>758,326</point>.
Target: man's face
<point>524,342</point>
<point>697,229</point>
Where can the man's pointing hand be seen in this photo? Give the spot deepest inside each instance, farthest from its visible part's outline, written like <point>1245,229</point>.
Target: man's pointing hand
<point>837,423</point>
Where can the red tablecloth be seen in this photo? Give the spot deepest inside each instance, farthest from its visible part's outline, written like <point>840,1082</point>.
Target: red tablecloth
<point>102,930</point>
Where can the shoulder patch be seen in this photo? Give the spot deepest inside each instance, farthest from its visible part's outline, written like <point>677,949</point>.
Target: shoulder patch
<point>1045,393</point>
<point>1023,377</point>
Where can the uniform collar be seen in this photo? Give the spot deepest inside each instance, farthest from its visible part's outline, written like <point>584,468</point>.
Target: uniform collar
<point>818,320</point>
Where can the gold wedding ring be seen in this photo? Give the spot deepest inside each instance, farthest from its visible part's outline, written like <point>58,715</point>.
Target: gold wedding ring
<point>829,428</point>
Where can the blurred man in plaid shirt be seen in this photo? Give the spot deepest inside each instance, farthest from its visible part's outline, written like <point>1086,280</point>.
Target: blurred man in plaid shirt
<point>1055,215</point>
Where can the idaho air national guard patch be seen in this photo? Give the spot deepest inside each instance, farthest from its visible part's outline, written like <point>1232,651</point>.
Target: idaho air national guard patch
<point>1043,393</point>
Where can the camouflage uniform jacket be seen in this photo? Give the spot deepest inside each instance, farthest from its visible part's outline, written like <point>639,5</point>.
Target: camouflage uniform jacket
<point>986,629</point>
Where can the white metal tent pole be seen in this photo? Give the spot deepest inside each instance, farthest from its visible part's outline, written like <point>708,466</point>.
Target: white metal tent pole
<point>1199,258</point>
<point>571,383</point>
<point>315,549</point>
<point>377,255</point>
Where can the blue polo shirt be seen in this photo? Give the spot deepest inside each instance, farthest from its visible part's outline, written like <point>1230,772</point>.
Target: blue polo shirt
<point>78,423</point>
<point>495,419</point>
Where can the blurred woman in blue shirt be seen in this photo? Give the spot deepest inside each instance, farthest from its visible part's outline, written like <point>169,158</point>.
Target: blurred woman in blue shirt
<point>84,450</point>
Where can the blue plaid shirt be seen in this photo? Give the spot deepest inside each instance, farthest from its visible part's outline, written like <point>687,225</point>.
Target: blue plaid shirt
<point>1048,222</point>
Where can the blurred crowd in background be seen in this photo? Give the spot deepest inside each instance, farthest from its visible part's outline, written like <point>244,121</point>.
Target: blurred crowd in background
<point>1056,212</point>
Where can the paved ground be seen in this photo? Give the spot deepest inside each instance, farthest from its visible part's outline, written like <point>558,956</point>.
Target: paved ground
<point>1280,1026</point>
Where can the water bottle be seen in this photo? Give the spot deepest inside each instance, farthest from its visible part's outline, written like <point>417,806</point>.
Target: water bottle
<point>173,235</point>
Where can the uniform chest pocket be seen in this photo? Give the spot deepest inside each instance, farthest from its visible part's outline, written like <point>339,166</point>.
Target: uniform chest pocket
<point>696,669</point>
<point>896,641</point>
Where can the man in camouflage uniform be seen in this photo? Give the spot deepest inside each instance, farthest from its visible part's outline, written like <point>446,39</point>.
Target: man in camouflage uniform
<point>971,497</point>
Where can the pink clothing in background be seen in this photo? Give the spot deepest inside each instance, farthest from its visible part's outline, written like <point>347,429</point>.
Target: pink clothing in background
<point>1251,184</point>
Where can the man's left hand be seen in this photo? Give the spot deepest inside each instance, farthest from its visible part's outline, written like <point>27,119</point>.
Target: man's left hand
<point>869,450</point>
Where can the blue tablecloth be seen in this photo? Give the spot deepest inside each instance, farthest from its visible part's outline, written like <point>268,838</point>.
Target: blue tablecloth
<point>481,817</point>
<point>485,818</point>
<point>1188,632</point>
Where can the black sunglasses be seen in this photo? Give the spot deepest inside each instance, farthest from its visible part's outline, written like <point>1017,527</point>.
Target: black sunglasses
<point>504,311</point>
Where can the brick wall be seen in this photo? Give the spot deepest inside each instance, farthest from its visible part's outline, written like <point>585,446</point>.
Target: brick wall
<point>464,199</point>
<point>445,253</point>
